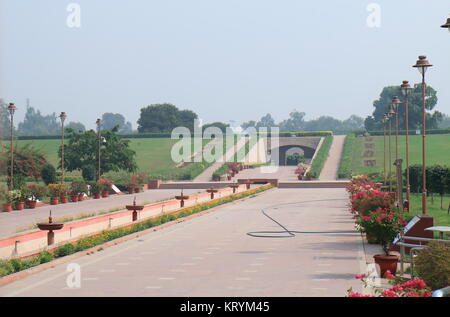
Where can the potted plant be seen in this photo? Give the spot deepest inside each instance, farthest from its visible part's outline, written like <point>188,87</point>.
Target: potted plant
<point>130,184</point>
<point>64,191</point>
<point>36,193</point>
<point>96,190</point>
<point>55,193</point>
<point>383,225</point>
<point>19,204</point>
<point>10,197</point>
<point>78,189</point>
<point>106,185</point>
<point>142,179</point>
<point>6,206</point>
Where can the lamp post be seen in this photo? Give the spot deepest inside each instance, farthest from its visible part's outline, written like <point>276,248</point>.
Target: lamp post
<point>98,122</point>
<point>63,117</point>
<point>11,108</point>
<point>391,112</point>
<point>385,119</point>
<point>395,103</point>
<point>446,25</point>
<point>406,88</point>
<point>422,65</point>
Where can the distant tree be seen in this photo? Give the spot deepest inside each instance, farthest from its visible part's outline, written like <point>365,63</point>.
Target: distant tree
<point>222,126</point>
<point>266,122</point>
<point>81,152</point>
<point>382,104</point>
<point>76,126</point>
<point>324,123</point>
<point>445,122</point>
<point>296,122</point>
<point>164,118</point>
<point>35,123</point>
<point>110,120</point>
<point>248,124</point>
<point>354,122</point>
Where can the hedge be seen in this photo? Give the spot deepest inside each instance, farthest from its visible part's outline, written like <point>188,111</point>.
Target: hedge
<point>345,165</point>
<point>321,157</point>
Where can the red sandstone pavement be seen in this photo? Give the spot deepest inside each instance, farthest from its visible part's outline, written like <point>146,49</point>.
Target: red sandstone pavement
<point>11,222</point>
<point>212,255</point>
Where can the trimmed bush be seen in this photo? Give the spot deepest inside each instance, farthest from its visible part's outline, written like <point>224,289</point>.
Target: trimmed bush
<point>321,157</point>
<point>49,174</point>
<point>345,166</point>
<point>433,265</point>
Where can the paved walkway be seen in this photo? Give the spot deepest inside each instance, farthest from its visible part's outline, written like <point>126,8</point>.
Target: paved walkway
<point>282,173</point>
<point>212,255</point>
<point>12,222</point>
<point>331,167</point>
<point>207,174</point>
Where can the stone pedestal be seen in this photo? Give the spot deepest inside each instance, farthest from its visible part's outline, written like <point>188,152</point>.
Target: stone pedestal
<point>154,183</point>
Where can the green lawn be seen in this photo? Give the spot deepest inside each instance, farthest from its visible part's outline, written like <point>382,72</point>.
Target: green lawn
<point>437,147</point>
<point>441,216</point>
<point>152,157</point>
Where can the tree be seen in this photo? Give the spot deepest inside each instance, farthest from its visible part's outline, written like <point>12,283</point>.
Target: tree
<point>77,126</point>
<point>110,120</point>
<point>28,162</point>
<point>445,122</point>
<point>81,152</point>
<point>164,118</point>
<point>296,122</point>
<point>383,103</point>
<point>37,124</point>
<point>222,126</point>
<point>248,124</point>
<point>324,123</point>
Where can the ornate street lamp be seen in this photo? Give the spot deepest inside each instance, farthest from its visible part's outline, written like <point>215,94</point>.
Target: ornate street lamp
<point>446,25</point>
<point>422,65</point>
<point>11,108</point>
<point>63,117</point>
<point>98,122</point>
<point>390,114</point>
<point>406,89</point>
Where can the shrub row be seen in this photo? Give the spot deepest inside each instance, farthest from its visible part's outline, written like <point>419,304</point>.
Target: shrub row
<point>321,157</point>
<point>345,165</point>
<point>16,265</point>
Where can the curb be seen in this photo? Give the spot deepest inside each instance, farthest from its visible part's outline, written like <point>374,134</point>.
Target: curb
<point>42,267</point>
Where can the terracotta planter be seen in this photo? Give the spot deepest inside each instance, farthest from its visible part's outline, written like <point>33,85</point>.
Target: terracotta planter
<point>137,190</point>
<point>131,190</point>
<point>97,196</point>
<point>386,262</point>
<point>53,201</point>
<point>74,198</point>
<point>80,197</point>
<point>229,177</point>
<point>105,194</point>
<point>64,199</point>
<point>19,205</point>
<point>31,204</point>
<point>7,207</point>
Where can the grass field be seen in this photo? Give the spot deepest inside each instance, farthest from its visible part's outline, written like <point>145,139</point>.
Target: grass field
<point>441,216</point>
<point>152,157</point>
<point>437,149</point>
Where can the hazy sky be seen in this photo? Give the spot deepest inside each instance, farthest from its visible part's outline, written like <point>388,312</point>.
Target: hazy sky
<point>224,59</point>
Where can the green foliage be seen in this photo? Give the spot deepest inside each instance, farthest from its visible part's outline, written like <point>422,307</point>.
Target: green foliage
<point>88,172</point>
<point>415,108</point>
<point>320,158</point>
<point>433,265</point>
<point>28,161</point>
<point>164,118</point>
<point>115,154</point>
<point>48,174</point>
<point>345,165</point>
<point>65,250</point>
<point>222,126</point>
